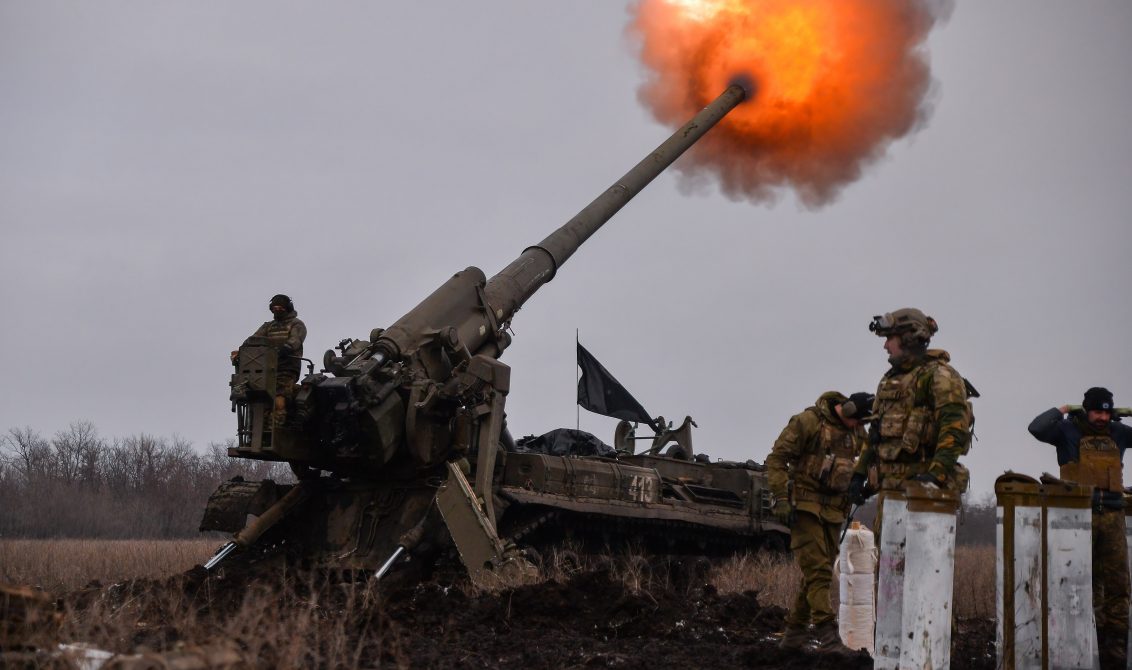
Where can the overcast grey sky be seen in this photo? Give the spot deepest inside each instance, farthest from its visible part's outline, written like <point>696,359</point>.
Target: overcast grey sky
<point>165,167</point>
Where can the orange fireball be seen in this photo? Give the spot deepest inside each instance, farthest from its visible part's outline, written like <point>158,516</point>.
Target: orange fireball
<point>836,82</point>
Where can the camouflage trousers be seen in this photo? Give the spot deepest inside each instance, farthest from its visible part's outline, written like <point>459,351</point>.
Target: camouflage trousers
<point>1110,586</point>
<point>284,392</point>
<point>814,543</point>
<point>285,383</point>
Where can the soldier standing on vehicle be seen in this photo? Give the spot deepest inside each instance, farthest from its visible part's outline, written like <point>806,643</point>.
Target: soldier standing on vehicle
<point>808,472</point>
<point>286,333</point>
<point>1090,452</point>
<point>922,419</point>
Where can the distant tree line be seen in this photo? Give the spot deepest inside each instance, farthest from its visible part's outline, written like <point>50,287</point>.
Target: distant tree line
<point>78,484</point>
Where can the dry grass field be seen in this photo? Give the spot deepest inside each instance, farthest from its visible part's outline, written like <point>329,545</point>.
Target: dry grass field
<point>59,566</point>
<point>148,598</point>
<point>776,580</point>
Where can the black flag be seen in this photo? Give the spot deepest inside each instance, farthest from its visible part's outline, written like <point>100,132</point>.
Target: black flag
<point>601,394</point>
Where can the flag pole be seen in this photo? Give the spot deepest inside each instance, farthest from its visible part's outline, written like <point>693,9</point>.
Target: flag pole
<point>577,380</point>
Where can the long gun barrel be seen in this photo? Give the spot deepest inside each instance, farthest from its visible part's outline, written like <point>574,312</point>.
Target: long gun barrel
<point>406,385</point>
<point>508,290</point>
<point>538,264</point>
<point>410,420</point>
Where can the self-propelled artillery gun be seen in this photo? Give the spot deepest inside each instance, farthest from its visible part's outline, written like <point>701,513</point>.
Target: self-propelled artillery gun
<point>399,444</point>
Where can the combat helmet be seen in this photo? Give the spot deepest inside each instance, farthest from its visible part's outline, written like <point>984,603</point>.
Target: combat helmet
<point>913,326</point>
<point>283,300</point>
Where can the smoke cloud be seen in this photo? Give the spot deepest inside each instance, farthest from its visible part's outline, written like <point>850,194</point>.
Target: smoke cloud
<point>837,81</point>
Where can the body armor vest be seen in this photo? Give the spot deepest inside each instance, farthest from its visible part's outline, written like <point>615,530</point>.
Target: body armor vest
<point>831,465</point>
<point>904,427</point>
<point>1098,464</point>
<point>277,333</point>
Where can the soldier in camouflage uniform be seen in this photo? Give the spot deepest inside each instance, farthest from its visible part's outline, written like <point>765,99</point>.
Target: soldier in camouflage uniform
<point>1090,451</point>
<point>922,419</point>
<point>286,333</point>
<point>808,472</point>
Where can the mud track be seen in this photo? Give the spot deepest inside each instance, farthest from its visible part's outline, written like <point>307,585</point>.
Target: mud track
<point>587,621</point>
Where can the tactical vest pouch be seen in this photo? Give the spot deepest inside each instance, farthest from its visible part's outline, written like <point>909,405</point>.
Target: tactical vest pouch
<point>812,466</point>
<point>888,449</point>
<point>893,417</point>
<point>893,427</point>
<point>892,424</point>
<point>962,477</point>
<point>971,424</point>
<point>893,475</point>
<point>839,474</point>
<point>826,466</point>
<point>829,471</point>
<point>915,430</point>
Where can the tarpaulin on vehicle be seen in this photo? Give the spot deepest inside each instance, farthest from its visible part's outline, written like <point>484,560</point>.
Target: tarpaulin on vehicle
<point>564,442</point>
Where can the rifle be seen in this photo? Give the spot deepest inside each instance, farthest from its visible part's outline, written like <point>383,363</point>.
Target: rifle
<point>848,522</point>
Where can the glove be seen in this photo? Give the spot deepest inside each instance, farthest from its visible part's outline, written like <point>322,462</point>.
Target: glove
<point>286,351</point>
<point>928,480</point>
<point>784,512</point>
<point>857,494</point>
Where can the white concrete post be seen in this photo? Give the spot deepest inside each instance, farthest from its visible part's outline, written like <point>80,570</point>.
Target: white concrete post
<point>1043,575</point>
<point>890,580</point>
<point>915,578</point>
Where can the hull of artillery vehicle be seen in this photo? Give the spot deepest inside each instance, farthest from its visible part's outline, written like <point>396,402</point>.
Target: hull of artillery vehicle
<point>655,504</point>
<point>400,444</point>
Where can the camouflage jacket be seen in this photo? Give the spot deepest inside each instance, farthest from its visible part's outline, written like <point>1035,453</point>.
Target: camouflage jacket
<point>287,330</point>
<point>816,452</point>
<point>923,423</point>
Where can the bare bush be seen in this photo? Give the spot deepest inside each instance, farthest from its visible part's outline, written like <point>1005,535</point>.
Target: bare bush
<point>774,576</point>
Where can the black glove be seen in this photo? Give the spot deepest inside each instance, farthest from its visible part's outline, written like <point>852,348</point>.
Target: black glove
<point>286,351</point>
<point>928,480</point>
<point>857,493</point>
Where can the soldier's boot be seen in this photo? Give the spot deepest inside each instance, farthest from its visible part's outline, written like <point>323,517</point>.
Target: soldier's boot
<point>829,638</point>
<point>795,636</point>
<point>280,414</point>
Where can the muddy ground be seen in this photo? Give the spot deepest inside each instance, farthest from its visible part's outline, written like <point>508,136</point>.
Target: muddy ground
<point>588,620</point>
